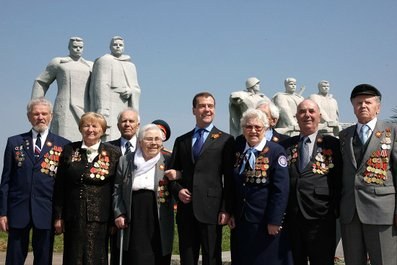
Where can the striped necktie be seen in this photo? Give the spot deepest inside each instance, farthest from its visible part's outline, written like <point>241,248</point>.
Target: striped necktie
<point>37,146</point>
<point>128,146</point>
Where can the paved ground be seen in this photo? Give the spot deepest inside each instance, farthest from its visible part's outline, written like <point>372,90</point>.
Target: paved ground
<point>57,260</point>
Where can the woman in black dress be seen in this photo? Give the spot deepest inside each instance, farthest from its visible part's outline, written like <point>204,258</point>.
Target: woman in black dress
<point>143,206</point>
<point>83,194</point>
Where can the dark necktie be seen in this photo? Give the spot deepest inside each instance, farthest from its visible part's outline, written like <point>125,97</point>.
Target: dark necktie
<point>198,145</point>
<point>304,152</point>
<point>128,146</point>
<point>250,158</point>
<point>37,146</point>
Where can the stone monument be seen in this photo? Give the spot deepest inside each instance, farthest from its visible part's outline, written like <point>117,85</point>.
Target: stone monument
<point>329,123</point>
<point>287,102</point>
<point>240,101</point>
<point>72,74</point>
<point>114,86</point>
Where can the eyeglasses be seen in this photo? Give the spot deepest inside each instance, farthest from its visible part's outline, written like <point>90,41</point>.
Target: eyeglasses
<point>252,127</point>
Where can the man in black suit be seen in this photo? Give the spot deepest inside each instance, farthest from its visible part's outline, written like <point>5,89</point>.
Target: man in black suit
<point>315,166</point>
<point>204,156</point>
<point>128,123</point>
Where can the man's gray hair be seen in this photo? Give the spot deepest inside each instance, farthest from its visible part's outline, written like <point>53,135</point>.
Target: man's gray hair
<point>38,101</point>
<point>274,110</point>
<point>128,109</point>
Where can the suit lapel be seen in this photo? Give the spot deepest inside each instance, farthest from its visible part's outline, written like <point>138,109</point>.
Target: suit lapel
<point>210,139</point>
<point>347,144</point>
<point>159,172</point>
<point>28,146</point>
<point>373,143</point>
<point>188,144</point>
<point>48,144</point>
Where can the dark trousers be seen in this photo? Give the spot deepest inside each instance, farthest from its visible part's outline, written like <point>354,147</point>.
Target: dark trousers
<point>193,235</point>
<point>18,244</point>
<point>312,240</point>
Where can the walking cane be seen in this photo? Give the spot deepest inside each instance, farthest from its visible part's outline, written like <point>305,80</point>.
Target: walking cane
<point>121,246</point>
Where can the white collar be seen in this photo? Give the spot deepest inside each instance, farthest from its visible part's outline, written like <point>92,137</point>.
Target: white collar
<point>258,147</point>
<point>92,148</point>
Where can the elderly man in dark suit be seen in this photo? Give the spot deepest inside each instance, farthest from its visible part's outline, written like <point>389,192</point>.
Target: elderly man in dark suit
<point>204,156</point>
<point>128,122</point>
<point>368,212</point>
<point>26,190</point>
<point>315,171</point>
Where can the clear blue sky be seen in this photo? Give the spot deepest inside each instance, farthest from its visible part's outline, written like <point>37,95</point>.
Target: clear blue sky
<point>182,47</point>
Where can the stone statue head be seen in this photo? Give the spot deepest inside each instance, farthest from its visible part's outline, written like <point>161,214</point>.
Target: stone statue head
<point>253,84</point>
<point>117,46</point>
<point>76,47</point>
<point>323,87</point>
<point>290,85</point>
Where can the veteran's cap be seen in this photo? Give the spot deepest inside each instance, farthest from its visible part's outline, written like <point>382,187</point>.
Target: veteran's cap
<point>164,127</point>
<point>365,89</point>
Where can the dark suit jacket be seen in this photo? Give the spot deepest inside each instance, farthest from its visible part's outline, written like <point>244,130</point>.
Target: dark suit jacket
<point>116,143</point>
<point>315,190</point>
<point>27,183</point>
<point>374,200</point>
<point>209,179</point>
<point>76,180</point>
<point>263,202</point>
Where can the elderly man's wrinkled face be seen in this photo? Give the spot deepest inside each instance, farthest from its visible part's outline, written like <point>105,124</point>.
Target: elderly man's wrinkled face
<point>253,131</point>
<point>40,117</point>
<point>76,49</point>
<point>266,109</point>
<point>117,48</point>
<point>366,108</point>
<point>308,116</point>
<point>128,124</point>
<point>151,144</point>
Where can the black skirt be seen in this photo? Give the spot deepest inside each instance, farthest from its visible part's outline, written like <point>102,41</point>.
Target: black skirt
<point>144,245</point>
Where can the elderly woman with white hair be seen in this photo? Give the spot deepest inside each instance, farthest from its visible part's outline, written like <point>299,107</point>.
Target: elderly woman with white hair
<point>143,207</point>
<point>261,194</point>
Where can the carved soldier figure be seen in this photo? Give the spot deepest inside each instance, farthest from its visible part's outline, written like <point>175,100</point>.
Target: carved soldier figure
<point>72,74</point>
<point>240,101</point>
<point>114,86</point>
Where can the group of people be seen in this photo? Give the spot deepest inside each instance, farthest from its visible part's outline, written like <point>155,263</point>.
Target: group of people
<point>106,86</point>
<point>280,195</point>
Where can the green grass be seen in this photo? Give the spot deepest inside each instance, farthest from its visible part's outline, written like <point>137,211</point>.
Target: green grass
<point>225,240</point>
<point>58,243</point>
